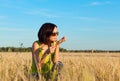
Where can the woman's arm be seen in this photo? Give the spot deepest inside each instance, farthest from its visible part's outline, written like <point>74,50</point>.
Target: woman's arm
<point>35,55</point>
<point>56,54</point>
<point>57,46</point>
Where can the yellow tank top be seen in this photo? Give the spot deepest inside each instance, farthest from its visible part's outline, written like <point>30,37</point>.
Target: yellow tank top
<point>48,64</point>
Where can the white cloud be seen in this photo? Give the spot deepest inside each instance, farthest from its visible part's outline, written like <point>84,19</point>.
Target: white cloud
<point>97,19</point>
<point>86,18</point>
<point>3,17</point>
<point>87,29</point>
<point>13,29</point>
<point>107,2</point>
<point>99,3</point>
<point>42,12</point>
<point>95,3</point>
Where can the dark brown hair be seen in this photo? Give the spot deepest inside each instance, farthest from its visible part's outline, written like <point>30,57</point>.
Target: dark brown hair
<point>45,31</point>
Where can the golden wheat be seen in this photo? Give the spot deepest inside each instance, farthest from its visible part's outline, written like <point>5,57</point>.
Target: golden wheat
<point>77,66</point>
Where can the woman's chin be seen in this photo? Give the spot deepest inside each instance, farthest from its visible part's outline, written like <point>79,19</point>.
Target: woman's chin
<point>54,40</point>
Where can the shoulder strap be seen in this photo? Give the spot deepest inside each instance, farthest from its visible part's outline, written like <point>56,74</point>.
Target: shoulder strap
<point>41,56</point>
<point>38,42</point>
<point>40,49</point>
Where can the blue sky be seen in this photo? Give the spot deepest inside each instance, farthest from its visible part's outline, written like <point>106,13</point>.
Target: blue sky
<point>87,24</point>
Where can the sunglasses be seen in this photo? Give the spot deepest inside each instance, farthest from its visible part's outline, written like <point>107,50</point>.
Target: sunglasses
<point>55,33</point>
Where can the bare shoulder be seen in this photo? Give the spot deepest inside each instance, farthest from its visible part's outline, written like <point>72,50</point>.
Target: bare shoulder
<point>35,45</point>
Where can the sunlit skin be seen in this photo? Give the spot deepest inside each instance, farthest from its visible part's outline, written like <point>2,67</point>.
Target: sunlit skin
<point>47,49</point>
<point>54,38</point>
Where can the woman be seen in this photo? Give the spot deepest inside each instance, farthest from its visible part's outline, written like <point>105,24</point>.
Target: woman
<point>45,53</point>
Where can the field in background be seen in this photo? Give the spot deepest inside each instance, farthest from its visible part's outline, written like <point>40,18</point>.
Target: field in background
<point>77,66</point>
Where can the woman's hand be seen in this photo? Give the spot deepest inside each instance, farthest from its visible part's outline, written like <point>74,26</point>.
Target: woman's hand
<point>63,39</point>
<point>52,49</point>
<point>54,45</point>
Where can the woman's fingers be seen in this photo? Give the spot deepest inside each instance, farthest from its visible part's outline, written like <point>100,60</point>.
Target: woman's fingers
<point>63,39</point>
<point>52,49</point>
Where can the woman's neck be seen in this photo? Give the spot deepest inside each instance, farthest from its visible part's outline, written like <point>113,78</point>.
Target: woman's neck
<point>48,44</point>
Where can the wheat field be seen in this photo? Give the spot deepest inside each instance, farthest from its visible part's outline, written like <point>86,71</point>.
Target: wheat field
<point>77,66</point>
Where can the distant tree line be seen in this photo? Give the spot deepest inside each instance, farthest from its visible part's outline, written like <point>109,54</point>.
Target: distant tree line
<point>21,49</point>
<point>96,51</point>
<point>15,49</point>
<point>29,49</point>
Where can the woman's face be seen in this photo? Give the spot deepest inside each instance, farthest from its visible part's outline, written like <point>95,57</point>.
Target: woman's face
<point>54,35</point>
